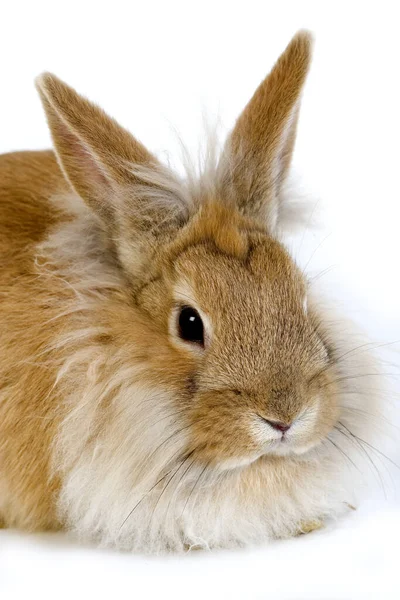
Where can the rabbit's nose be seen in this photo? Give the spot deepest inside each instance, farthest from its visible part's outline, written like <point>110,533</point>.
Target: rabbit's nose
<point>279,426</point>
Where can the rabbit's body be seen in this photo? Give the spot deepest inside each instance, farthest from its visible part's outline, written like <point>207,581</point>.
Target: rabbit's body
<point>115,421</point>
<point>28,180</point>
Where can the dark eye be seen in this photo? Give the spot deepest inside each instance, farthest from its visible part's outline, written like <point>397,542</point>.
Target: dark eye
<point>191,327</point>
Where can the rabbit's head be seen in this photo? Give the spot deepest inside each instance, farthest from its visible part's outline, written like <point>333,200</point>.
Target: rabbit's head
<point>225,317</point>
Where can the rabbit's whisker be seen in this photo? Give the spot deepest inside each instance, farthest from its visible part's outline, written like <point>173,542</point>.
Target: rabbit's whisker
<point>170,480</point>
<point>361,448</point>
<point>174,434</point>
<point>379,452</point>
<point>339,449</point>
<point>194,487</point>
<point>359,376</point>
<point>160,480</point>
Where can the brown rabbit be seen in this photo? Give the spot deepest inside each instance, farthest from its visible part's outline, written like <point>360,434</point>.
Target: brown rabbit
<point>166,379</point>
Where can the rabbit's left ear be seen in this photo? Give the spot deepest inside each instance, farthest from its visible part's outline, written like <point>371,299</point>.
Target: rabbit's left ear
<point>258,152</point>
<point>137,199</point>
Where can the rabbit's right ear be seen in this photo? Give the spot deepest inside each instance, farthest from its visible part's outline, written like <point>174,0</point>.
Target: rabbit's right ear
<point>257,155</point>
<point>132,193</point>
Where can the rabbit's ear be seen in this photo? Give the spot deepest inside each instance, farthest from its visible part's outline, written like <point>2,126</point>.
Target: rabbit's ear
<point>132,193</point>
<point>257,155</point>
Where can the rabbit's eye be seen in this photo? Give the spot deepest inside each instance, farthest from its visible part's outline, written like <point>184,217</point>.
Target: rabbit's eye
<point>190,325</point>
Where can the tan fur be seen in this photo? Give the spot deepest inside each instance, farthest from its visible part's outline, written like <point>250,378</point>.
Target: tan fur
<point>264,135</point>
<point>110,424</point>
<point>27,181</point>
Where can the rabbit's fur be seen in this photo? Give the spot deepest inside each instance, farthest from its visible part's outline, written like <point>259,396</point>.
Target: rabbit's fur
<point>110,424</point>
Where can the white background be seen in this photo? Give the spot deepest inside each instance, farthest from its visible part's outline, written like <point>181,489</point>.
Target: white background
<point>156,66</point>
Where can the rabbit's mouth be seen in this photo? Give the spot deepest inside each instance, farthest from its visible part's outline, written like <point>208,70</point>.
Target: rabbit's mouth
<point>297,437</point>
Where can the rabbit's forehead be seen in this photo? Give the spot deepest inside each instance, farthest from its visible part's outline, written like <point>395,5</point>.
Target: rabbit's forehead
<point>266,276</point>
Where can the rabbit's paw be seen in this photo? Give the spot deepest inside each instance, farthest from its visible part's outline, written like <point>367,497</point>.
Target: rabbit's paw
<point>309,526</point>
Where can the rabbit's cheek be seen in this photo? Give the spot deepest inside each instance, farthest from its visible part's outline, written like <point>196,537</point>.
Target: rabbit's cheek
<point>222,430</point>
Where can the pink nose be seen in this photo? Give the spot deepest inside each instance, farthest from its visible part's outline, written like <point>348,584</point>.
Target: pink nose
<point>283,427</point>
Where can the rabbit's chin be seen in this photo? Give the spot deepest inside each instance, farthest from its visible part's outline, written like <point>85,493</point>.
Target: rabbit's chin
<point>281,448</point>
<point>284,448</point>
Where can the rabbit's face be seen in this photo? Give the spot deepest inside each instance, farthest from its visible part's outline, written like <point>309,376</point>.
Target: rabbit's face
<point>234,309</point>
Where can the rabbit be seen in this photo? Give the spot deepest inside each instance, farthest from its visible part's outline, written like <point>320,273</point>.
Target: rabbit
<point>168,381</point>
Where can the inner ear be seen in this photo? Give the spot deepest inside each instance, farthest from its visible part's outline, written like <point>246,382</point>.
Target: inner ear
<point>96,185</point>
